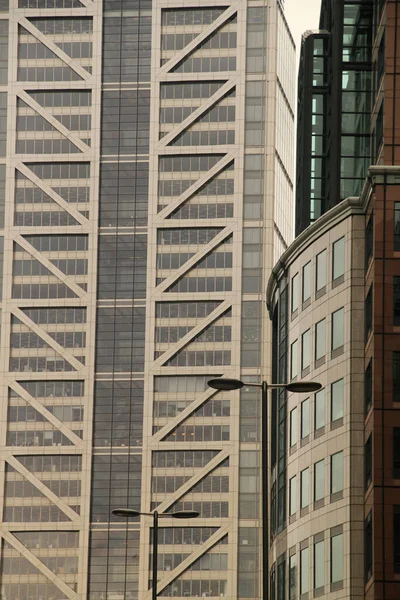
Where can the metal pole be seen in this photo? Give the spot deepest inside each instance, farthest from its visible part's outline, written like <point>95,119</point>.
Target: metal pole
<point>155,556</point>
<point>264,476</point>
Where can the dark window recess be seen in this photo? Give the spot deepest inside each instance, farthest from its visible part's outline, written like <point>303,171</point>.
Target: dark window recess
<point>380,62</point>
<point>272,584</point>
<point>396,236</point>
<point>281,578</point>
<point>368,387</point>
<point>379,130</point>
<point>368,547</point>
<point>396,538</point>
<point>396,452</point>
<point>369,241</point>
<point>396,376</point>
<point>368,462</point>
<point>396,300</point>
<point>368,313</point>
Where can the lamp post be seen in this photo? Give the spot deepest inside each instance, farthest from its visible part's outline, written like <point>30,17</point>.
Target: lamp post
<point>130,513</point>
<point>227,385</point>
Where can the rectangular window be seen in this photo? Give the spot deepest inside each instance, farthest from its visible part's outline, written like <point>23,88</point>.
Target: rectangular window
<point>305,418</point>
<point>368,462</point>
<point>305,350</point>
<point>294,360</point>
<point>281,578</point>
<point>396,300</point>
<point>396,452</point>
<point>319,409</point>
<point>396,538</point>
<point>338,259</point>
<point>320,275</point>
<point>292,496</point>
<point>304,569</point>
<point>368,547</point>
<point>397,226</point>
<point>295,293</point>
<point>319,480</point>
<point>396,376</point>
<point>337,558</point>
<point>368,313</point>
<point>319,565</point>
<point>305,488</point>
<point>337,334</point>
<point>292,577</point>
<point>320,339</point>
<point>337,400</point>
<point>368,387</point>
<point>293,427</point>
<point>369,240</point>
<point>306,289</point>
<point>337,472</point>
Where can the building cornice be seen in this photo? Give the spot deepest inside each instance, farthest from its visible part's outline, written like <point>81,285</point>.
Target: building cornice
<point>348,207</point>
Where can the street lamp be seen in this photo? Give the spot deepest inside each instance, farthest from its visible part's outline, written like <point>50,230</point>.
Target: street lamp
<point>130,513</point>
<point>227,385</point>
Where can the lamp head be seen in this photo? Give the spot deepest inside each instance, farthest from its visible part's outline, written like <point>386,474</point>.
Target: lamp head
<point>303,387</point>
<point>185,514</point>
<point>125,513</point>
<point>225,385</point>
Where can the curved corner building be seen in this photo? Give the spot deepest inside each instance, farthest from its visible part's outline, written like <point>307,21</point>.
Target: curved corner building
<point>334,300</point>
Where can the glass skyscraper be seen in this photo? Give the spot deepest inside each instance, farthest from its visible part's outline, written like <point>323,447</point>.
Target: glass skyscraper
<point>146,182</point>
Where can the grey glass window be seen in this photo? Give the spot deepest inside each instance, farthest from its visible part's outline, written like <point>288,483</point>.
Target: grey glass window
<point>281,587</point>
<point>295,293</point>
<point>304,571</point>
<point>337,558</point>
<point>305,488</point>
<point>368,312</point>
<point>319,565</point>
<point>292,577</point>
<point>305,349</point>
<point>337,334</point>
<point>396,538</point>
<point>292,496</point>
<point>305,418</point>
<point>338,258</point>
<point>319,480</point>
<point>294,360</point>
<point>320,278</point>
<point>337,472</point>
<point>368,461</point>
<point>396,300</point>
<point>293,427</point>
<point>368,387</point>
<point>306,287</point>
<point>320,339</point>
<point>368,544</point>
<point>397,226</point>
<point>396,452</point>
<point>337,400</point>
<point>319,408</point>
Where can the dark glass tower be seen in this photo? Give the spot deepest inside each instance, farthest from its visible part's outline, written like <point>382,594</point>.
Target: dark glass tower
<point>334,108</point>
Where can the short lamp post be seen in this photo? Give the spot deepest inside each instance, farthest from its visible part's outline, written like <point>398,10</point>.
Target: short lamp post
<point>228,385</point>
<point>130,513</point>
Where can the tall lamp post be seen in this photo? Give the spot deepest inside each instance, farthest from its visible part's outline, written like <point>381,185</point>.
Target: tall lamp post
<point>227,385</point>
<point>130,513</point>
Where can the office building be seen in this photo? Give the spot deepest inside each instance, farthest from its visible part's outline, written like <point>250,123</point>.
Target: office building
<point>334,301</point>
<point>146,191</point>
